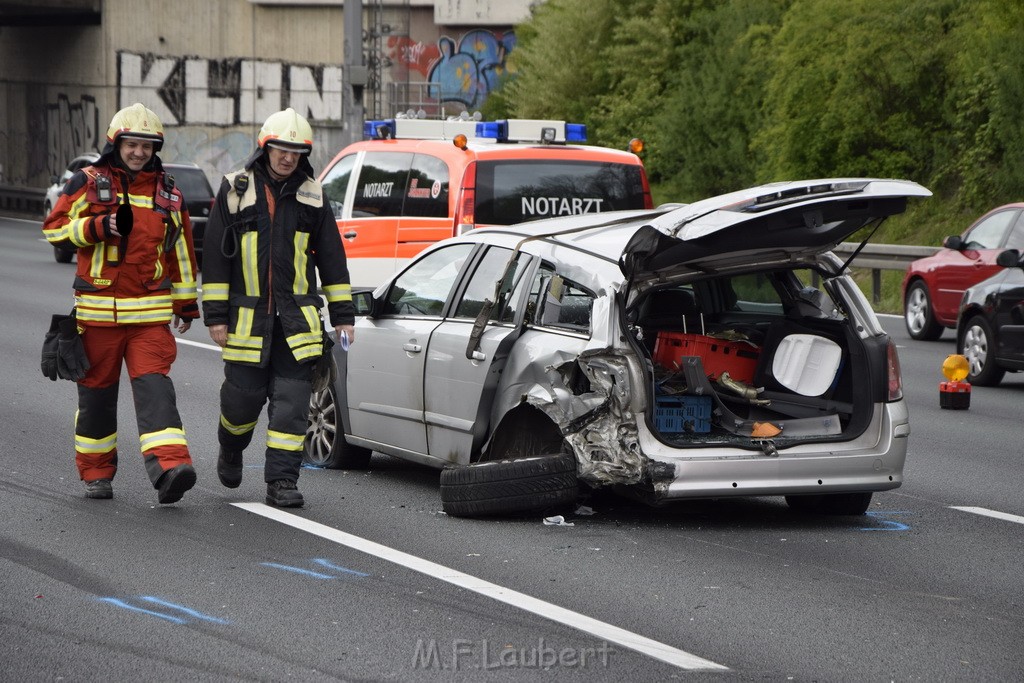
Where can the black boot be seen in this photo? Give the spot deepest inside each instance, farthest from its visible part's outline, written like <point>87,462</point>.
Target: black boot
<point>229,468</point>
<point>174,482</point>
<point>284,494</point>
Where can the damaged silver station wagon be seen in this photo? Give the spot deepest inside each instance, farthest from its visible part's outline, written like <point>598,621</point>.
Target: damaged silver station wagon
<point>692,351</point>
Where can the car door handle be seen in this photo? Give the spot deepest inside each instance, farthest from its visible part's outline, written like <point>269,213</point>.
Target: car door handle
<point>349,235</point>
<point>412,348</point>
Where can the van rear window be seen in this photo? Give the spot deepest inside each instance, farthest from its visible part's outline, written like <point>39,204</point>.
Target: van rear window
<point>509,192</point>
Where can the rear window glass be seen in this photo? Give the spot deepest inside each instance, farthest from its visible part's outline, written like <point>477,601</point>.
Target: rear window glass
<point>509,192</point>
<point>381,185</point>
<point>193,184</point>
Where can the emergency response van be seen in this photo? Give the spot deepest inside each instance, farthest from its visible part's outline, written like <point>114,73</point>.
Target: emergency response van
<point>414,182</point>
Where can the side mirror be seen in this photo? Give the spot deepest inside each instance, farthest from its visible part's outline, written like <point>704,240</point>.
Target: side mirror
<point>364,302</point>
<point>1008,259</point>
<point>953,242</point>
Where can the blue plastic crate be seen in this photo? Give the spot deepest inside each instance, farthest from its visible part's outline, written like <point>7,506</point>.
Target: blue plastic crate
<point>678,414</point>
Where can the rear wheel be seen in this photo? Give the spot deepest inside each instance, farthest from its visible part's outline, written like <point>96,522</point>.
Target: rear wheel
<point>325,444</point>
<point>979,347</point>
<point>509,486</point>
<point>919,315</point>
<point>831,503</point>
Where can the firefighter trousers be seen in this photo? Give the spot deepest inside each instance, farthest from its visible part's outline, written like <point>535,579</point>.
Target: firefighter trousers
<point>148,352</point>
<point>288,385</point>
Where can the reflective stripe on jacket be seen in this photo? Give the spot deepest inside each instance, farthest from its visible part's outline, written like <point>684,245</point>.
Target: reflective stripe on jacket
<point>255,267</point>
<point>144,278</point>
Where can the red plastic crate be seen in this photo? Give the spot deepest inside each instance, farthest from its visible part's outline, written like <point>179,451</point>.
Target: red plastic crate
<point>738,358</point>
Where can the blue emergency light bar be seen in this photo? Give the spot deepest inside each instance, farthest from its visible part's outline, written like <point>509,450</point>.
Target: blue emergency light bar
<point>506,130</point>
<point>531,131</point>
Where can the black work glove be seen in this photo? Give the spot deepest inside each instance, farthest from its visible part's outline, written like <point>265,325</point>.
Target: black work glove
<point>72,362</point>
<point>48,364</point>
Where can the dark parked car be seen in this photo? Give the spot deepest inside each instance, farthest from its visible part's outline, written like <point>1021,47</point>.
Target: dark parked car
<point>933,286</point>
<point>198,194</point>
<point>990,327</point>
<point>53,191</point>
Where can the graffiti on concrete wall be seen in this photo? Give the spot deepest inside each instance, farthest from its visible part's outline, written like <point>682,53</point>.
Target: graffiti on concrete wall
<point>189,91</point>
<point>464,70</point>
<point>72,127</point>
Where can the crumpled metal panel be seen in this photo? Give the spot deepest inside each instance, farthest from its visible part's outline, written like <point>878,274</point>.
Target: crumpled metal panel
<point>598,421</point>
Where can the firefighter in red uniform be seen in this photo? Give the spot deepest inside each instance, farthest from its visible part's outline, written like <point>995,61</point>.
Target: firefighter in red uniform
<point>270,232</point>
<point>136,272</point>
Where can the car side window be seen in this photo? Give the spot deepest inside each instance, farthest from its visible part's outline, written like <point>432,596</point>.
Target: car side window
<point>753,293</point>
<point>381,185</point>
<point>989,233</point>
<point>556,301</point>
<point>424,287</point>
<point>481,287</point>
<point>1016,238</point>
<point>427,193</point>
<point>335,183</point>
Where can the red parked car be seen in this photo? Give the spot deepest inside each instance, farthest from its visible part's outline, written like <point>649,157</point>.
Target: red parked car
<point>933,286</point>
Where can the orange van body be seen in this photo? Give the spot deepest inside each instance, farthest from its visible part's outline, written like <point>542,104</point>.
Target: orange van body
<point>394,197</point>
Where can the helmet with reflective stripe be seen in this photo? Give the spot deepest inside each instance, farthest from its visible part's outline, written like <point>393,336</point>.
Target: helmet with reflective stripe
<point>138,123</point>
<point>286,130</point>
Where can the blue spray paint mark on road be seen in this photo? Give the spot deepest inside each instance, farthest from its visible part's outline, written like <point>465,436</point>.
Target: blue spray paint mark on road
<point>888,524</point>
<point>298,570</point>
<point>186,610</point>
<point>125,605</point>
<point>329,565</point>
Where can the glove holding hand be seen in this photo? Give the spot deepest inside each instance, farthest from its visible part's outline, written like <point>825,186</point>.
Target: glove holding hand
<point>48,364</point>
<point>72,362</point>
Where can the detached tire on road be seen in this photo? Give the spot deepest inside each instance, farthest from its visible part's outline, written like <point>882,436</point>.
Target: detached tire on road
<point>509,486</point>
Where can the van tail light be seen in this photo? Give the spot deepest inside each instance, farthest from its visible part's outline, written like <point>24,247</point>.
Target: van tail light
<point>465,205</point>
<point>895,377</point>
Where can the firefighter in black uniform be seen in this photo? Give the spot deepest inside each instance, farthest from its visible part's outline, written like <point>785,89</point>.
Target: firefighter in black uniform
<point>270,232</point>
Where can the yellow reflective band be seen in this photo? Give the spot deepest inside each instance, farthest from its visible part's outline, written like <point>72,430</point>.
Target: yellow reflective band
<point>306,352</point>
<point>84,444</point>
<point>243,326</point>
<point>304,338</point>
<point>237,430</point>
<point>301,284</point>
<point>181,254</point>
<point>184,290</point>
<point>154,317</point>
<point>312,315</point>
<point>172,436</point>
<point>241,355</point>
<point>96,262</point>
<point>283,441</point>
<point>250,265</point>
<point>215,291</point>
<point>338,293</point>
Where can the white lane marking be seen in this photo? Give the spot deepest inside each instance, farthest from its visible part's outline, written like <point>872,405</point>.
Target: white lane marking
<point>202,345</point>
<point>651,648</point>
<point>990,513</point>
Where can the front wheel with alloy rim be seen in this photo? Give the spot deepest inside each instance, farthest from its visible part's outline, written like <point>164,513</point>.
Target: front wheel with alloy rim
<point>978,346</point>
<point>325,444</point>
<point>509,486</point>
<point>918,314</point>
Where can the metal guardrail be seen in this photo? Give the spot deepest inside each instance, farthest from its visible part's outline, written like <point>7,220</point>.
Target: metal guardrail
<point>879,257</point>
<point>22,199</point>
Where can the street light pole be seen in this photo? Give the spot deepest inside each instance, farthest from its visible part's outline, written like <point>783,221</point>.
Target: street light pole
<point>354,73</point>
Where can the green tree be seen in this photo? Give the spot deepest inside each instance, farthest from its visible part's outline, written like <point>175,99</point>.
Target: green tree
<point>856,89</point>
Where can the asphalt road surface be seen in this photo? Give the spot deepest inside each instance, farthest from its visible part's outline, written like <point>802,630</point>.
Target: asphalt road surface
<point>371,581</point>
